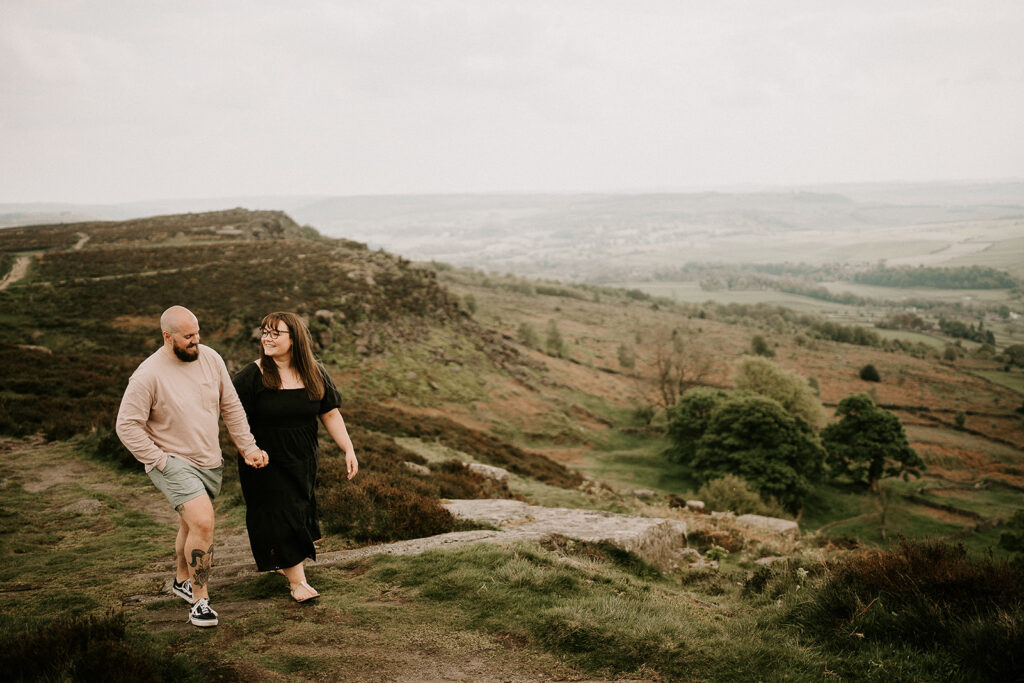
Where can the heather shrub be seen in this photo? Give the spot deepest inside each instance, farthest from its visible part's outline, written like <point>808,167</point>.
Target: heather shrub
<point>374,509</point>
<point>925,594</point>
<point>455,480</point>
<point>389,502</point>
<point>729,539</point>
<point>92,648</point>
<point>104,444</point>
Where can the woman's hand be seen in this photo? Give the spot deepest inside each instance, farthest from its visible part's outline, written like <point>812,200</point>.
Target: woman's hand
<point>351,464</point>
<point>257,458</point>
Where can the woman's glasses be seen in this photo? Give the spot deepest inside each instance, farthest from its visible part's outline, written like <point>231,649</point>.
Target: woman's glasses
<point>272,333</point>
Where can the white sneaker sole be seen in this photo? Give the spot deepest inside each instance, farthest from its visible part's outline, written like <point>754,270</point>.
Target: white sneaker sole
<point>184,596</point>
<point>202,623</point>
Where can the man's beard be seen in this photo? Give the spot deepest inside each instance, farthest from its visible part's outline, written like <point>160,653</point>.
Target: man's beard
<point>186,354</point>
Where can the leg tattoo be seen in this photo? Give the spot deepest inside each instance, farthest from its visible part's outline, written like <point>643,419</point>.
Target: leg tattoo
<point>179,508</point>
<point>202,563</point>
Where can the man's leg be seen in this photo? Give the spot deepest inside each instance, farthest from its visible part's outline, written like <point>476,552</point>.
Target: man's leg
<point>197,543</point>
<point>181,571</point>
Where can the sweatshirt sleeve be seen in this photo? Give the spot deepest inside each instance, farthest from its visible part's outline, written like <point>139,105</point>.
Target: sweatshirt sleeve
<point>131,423</point>
<point>233,413</point>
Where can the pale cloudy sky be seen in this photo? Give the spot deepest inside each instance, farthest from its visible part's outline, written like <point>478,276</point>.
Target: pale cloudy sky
<point>122,100</point>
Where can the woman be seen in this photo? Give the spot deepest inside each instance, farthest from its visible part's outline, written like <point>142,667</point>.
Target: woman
<point>283,393</point>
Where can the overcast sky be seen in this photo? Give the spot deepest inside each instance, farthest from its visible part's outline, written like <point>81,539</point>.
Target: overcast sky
<point>122,100</point>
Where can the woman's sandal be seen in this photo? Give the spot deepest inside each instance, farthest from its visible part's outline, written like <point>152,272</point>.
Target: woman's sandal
<point>303,584</point>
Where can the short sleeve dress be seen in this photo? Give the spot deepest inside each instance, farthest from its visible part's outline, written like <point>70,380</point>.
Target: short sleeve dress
<point>280,501</point>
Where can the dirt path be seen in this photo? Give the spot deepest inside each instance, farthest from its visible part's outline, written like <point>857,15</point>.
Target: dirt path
<point>427,650</point>
<point>17,272</point>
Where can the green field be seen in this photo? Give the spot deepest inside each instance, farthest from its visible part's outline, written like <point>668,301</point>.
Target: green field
<point>1010,380</point>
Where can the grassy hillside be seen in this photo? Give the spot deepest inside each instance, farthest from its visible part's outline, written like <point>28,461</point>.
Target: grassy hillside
<point>553,382</point>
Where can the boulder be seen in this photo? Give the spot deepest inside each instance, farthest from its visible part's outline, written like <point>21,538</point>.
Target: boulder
<point>695,505</point>
<point>417,468</point>
<point>86,506</point>
<point>784,527</point>
<point>656,540</point>
<point>489,471</point>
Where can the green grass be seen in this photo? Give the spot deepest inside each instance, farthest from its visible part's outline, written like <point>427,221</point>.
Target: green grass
<point>598,617</point>
<point>1011,380</point>
<point>906,335</point>
<point>636,461</point>
<point>985,296</point>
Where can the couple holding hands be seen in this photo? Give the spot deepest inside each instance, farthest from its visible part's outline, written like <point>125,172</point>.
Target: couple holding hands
<point>169,420</point>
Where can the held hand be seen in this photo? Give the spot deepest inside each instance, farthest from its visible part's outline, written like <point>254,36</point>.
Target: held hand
<point>257,459</point>
<point>351,464</point>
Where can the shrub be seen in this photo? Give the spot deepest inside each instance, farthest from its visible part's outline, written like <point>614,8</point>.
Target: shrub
<point>869,373</point>
<point>759,346</point>
<point>734,493</point>
<point>104,444</point>
<point>960,419</point>
<point>926,594</point>
<point>792,391</point>
<point>527,335</point>
<point>731,540</point>
<point>91,648</point>
<point>554,344</point>
<point>627,357</point>
<point>455,480</point>
<point>375,510</point>
<point>1013,540</point>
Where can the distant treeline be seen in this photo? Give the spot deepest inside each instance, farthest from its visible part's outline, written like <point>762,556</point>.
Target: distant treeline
<point>971,277</point>
<point>960,330</point>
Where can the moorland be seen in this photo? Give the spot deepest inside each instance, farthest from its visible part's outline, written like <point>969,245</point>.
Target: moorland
<point>568,384</point>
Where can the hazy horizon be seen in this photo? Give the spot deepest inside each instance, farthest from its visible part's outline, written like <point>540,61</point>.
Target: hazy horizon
<point>124,102</point>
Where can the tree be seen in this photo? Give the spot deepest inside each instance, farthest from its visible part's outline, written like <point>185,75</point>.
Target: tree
<point>755,438</point>
<point>678,366</point>
<point>868,443</point>
<point>869,373</point>
<point>762,376</point>
<point>1014,354</point>
<point>627,357</point>
<point>689,419</point>
<point>554,344</point>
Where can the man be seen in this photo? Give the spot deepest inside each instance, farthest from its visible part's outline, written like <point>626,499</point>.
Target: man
<point>169,421</point>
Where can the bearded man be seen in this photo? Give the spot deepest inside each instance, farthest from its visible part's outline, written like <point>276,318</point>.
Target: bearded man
<point>169,421</point>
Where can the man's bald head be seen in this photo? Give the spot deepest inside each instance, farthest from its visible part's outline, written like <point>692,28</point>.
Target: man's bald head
<point>180,329</point>
<point>175,318</point>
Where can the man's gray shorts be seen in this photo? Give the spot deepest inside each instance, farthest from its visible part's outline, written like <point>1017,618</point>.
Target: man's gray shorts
<point>181,481</point>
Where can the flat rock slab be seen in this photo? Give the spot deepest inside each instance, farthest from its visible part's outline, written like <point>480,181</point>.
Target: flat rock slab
<point>785,527</point>
<point>655,539</point>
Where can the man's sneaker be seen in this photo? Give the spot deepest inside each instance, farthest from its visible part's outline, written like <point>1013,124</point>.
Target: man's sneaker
<point>183,590</point>
<point>201,614</point>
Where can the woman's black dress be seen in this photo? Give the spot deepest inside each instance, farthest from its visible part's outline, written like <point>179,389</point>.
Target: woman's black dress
<point>280,501</point>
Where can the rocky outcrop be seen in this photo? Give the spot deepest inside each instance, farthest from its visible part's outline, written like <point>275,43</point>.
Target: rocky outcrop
<point>498,474</point>
<point>657,540</point>
<point>784,527</point>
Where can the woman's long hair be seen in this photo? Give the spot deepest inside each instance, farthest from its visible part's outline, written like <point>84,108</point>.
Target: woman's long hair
<point>302,355</point>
